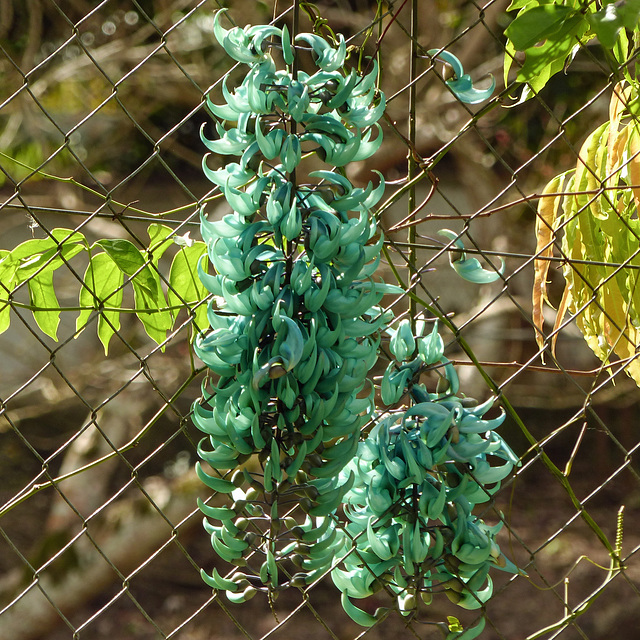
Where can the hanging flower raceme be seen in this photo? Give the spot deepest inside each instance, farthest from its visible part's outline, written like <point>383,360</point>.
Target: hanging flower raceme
<point>297,322</point>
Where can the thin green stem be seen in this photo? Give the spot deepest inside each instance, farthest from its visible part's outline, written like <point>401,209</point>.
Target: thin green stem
<point>412,165</point>
<point>136,310</point>
<point>105,197</point>
<point>36,488</point>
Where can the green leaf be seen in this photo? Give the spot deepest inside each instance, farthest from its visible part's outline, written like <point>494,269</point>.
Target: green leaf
<point>103,281</point>
<point>31,248</point>
<point>5,316</point>
<point>158,243</point>
<point>156,323</point>
<point>621,52</point>
<point>630,14</point>
<point>132,263</point>
<point>548,59</point>
<point>42,295</point>
<point>31,256</point>
<point>185,287</point>
<point>8,267</point>
<point>59,239</point>
<point>149,298</point>
<point>606,24</point>
<point>67,236</point>
<point>536,24</point>
<point>5,288</point>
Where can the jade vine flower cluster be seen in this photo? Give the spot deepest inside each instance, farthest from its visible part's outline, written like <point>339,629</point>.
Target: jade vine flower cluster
<point>419,474</point>
<point>296,326</point>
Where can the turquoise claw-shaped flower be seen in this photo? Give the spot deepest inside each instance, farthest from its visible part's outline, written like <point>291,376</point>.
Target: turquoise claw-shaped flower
<point>243,45</point>
<point>232,142</point>
<point>461,84</point>
<point>327,58</point>
<point>358,112</point>
<point>402,343</point>
<point>470,269</point>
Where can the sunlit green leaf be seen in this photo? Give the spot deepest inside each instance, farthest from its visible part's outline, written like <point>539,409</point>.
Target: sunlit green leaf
<point>46,311</point>
<point>5,288</point>
<point>132,263</point>
<point>67,236</point>
<point>185,287</point>
<point>158,243</point>
<point>8,267</point>
<point>606,24</point>
<point>550,57</point>
<point>156,322</point>
<point>536,24</point>
<point>103,281</point>
<point>5,316</point>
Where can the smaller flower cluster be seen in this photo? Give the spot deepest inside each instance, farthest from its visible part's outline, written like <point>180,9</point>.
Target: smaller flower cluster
<point>418,476</point>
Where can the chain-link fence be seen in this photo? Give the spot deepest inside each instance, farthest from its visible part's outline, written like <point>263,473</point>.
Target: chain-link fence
<point>100,109</point>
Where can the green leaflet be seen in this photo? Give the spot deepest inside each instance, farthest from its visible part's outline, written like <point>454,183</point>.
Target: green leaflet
<point>5,309</point>
<point>185,288</point>
<point>159,240</point>
<point>151,311</point>
<point>46,310</point>
<point>103,281</point>
<point>150,302</point>
<point>132,263</point>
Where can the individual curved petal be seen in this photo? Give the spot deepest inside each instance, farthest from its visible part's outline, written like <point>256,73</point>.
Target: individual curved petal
<point>465,92</point>
<point>449,58</point>
<point>222,111</point>
<point>232,142</point>
<point>287,49</point>
<point>367,82</point>
<point>461,84</point>
<point>232,174</point>
<point>327,58</point>
<point>470,269</point>
<point>367,146</point>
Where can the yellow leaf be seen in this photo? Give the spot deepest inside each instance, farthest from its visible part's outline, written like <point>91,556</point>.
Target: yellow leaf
<point>634,164</point>
<point>548,206</point>
<point>617,106</point>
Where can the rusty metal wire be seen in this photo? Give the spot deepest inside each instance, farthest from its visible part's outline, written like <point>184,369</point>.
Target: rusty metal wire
<point>100,108</point>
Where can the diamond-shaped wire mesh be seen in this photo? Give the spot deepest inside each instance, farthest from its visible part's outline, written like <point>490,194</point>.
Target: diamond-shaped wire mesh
<point>101,104</point>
